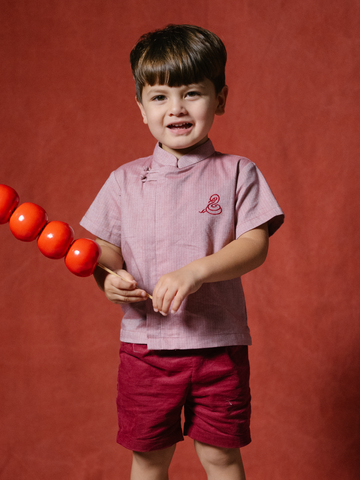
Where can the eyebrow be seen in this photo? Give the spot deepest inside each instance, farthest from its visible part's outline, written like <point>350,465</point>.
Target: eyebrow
<point>162,88</point>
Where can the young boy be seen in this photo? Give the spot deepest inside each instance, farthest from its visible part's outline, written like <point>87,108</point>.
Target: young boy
<point>183,224</point>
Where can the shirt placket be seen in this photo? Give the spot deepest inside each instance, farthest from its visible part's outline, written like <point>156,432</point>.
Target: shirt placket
<point>155,198</point>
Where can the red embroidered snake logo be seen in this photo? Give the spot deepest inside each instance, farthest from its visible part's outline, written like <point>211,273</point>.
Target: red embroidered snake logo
<point>213,206</point>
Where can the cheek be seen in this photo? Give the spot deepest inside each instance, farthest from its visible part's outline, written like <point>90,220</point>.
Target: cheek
<point>207,119</point>
<point>205,114</point>
<point>153,121</point>
<point>155,128</point>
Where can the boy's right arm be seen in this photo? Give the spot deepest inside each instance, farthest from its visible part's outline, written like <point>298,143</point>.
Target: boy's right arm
<point>117,290</point>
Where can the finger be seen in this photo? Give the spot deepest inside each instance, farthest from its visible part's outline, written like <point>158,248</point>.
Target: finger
<point>176,304</point>
<point>158,295</point>
<point>126,296</point>
<point>167,300</point>
<point>125,275</point>
<point>127,300</point>
<point>163,301</point>
<point>120,283</point>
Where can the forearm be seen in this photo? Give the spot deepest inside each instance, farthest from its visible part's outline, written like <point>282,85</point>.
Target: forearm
<point>236,259</point>
<point>121,288</point>
<point>110,257</point>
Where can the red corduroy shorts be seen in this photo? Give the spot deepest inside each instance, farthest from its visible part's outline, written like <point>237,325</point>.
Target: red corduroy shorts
<point>211,384</point>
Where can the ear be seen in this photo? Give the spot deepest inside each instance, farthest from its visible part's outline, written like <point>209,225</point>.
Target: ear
<point>221,98</point>
<point>142,110</point>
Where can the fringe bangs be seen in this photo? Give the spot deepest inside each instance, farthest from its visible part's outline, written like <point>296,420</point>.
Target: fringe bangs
<point>178,55</point>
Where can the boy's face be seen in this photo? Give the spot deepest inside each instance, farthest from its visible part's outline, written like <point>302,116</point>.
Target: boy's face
<point>180,118</point>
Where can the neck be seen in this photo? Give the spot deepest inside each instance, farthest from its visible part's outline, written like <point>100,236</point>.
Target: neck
<point>184,151</point>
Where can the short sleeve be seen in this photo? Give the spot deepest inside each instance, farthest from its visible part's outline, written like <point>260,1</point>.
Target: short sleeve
<point>255,202</point>
<point>103,218</point>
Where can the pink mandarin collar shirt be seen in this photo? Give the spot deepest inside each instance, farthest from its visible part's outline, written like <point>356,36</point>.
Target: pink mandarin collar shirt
<point>164,213</point>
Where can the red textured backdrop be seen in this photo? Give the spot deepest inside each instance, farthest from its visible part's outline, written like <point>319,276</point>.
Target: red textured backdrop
<point>68,117</point>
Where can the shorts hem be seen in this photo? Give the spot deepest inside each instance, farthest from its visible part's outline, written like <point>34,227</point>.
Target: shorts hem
<point>147,445</point>
<point>215,441</point>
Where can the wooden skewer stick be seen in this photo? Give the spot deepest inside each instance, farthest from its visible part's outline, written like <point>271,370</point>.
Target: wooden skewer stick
<point>117,275</point>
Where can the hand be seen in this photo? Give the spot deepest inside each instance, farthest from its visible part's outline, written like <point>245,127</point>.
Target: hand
<point>174,288</point>
<point>123,290</point>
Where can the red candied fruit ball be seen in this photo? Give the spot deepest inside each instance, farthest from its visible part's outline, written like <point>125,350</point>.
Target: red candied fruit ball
<point>55,239</point>
<point>81,258</point>
<point>27,221</point>
<point>9,200</point>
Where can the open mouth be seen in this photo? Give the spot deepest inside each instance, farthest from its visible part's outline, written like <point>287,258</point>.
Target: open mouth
<point>181,126</point>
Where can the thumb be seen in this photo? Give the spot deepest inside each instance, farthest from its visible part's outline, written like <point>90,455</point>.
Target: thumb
<point>126,280</point>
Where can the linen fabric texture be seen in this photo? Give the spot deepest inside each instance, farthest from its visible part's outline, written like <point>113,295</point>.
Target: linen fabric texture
<point>164,213</point>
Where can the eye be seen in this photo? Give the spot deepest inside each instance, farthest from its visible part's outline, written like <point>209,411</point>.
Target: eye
<point>193,93</point>
<point>158,98</point>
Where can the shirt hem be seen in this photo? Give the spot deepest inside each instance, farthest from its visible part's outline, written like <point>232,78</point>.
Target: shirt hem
<point>181,343</point>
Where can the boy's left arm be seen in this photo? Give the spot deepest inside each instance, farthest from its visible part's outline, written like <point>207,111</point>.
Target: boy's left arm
<point>234,260</point>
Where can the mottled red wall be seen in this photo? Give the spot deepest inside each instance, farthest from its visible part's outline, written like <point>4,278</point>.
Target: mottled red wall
<point>68,117</point>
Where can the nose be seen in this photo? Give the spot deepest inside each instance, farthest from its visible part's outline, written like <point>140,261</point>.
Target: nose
<point>177,107</point>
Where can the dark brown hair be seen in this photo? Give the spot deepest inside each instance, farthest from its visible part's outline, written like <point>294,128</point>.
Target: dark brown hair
<point>178,55</point>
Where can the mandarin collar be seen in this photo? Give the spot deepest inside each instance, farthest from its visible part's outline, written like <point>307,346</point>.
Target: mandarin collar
<point>163,157</point>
